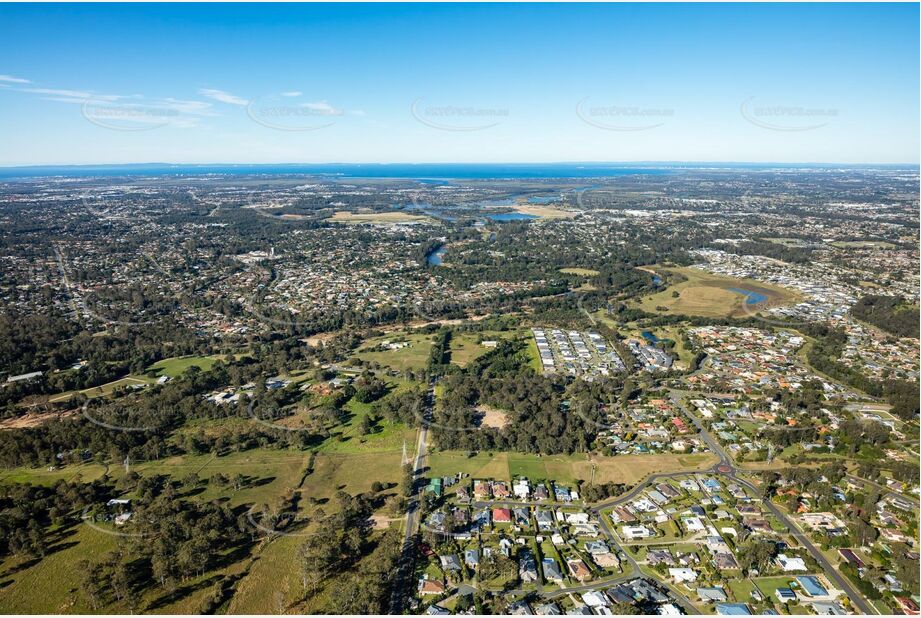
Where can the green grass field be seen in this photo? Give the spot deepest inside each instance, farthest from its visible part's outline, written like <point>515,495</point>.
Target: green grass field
<point>415,356</point>
<point>174,367</point>
<point>269,584</point>
<point>104,390</point>
<point>466,348</point>
<point>708,295</point>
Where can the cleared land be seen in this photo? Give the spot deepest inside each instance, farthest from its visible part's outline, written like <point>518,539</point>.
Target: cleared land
<point>708,295</point>
<point>628,469</point>
<point>545,212</point>
<point>174,367</point>
<point>492,417</point>
<point>413,356</point>
<point>344,216</point>
<point>466,347</point>
<point>582,272</point>
<point>104,390</point>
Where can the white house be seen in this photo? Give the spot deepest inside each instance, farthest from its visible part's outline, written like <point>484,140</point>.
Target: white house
<point>790,563</point>
<point>683,575</point>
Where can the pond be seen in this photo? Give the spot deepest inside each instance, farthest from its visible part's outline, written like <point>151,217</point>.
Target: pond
<point>650,336</point>
<point>434,258</point>
<point>752,298</point>
<point>543,199</point>
<point>512,216</point>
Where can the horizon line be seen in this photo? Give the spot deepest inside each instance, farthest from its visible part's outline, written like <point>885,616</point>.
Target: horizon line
<point>454,163</point>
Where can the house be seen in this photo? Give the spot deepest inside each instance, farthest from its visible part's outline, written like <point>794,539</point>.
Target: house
<point>606,561</point>
<point>851,557</point>
<point>595,598</point>
<point>732,609</point>
<point>436,610</point>
<point>527,567</point>
<point>481,490</point>
<point>785,595</point>
<point>548,609</point>
<point>500,490</point>
<point>663,556</point>
<point>501,516</point>
<point>907,605</point>
<point>597,547</point>
<point>522,517</point>
<point>790,563</point>
<point>544,520</point>
<point>431,586</point>
<point>449,562</point>
<point>578,570</point>
<point>521,489</point>
<point>541,493</point>
<point>562,494</point>
<point>633,533</point>
<point>519,608</point>
<point>669,609</point>
<point>714,594</point>
<point>828,608</point>
<point>472,558</point>
<point>681,575</point>
<point>811,586</point>
<point>551,570</point>
<point>576,518</point>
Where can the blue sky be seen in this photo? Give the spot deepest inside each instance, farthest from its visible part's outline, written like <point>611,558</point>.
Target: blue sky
<point>448,83</point>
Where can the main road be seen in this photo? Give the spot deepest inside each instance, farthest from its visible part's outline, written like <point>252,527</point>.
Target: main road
<point>411,525</point>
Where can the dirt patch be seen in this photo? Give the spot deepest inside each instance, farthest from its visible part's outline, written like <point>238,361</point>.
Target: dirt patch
<point>33,419</point>
<point>491,417</point>
<point>380,522</point>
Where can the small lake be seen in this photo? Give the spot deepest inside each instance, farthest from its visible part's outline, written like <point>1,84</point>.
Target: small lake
<point>752,298</point>
<point>435,257</point>
<point>512,216</point>
<point>493,203</point>
<point>650,337</point>
<point>656,280</point>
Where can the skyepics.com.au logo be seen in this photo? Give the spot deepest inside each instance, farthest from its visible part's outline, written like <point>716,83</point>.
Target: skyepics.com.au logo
<point>627,118</point>
<point>290,111</point>
<point>458,117</point>
<point>133,115</point>
<point>786,118</point>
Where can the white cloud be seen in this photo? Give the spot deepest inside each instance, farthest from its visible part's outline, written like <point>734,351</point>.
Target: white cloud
<point>14,80</point>
<point>293,93</point>
<point>322,108</point>
<point>77,95</point>
<point>223,97</point>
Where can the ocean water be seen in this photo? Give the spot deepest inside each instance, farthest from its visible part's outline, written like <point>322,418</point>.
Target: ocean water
<point>432,173</point>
